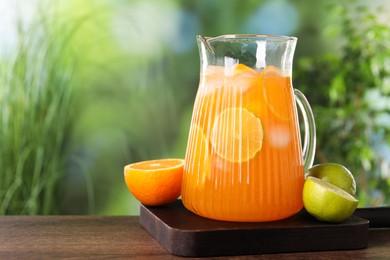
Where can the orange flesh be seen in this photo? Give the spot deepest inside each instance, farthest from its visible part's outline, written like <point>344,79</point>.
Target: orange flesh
<point>155,182</point>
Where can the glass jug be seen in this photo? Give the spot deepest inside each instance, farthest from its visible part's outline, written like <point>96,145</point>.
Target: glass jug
<point>244,160</point>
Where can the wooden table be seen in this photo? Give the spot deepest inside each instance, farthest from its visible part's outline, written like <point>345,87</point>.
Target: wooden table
<point>53,237</point>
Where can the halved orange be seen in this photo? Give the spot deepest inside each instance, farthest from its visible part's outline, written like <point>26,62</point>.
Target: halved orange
<point>155,182</point>
<point>237,135</point>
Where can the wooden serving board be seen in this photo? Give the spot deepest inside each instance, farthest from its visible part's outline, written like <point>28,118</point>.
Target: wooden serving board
<point>183,233</point>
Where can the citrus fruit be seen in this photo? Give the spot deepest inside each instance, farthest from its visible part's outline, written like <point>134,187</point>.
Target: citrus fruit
<point>237,135</point>
<point>244,71</point>
<point>208,97</point>
<point>198,158</point>
<point>326,201</point>
<point>221,88</point>
<point>244,89</point>
<point>277,92</point>
<point>155,182</point>
<point>336,174</point>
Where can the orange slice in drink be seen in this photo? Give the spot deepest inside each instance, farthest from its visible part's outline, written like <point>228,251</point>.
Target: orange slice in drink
<point>208,97</point>
<point>221,88</point>
<point>198,156</point>
<point>155,182</point>
<point>237,135</point>
<point>277,92</point>
<point>246,89</point>
<point>244,71</point>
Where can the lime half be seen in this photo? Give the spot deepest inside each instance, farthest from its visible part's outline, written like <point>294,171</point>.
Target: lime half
<point>326,201</point>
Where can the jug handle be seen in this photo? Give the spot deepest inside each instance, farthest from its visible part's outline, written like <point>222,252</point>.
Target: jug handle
<point>309,143</point>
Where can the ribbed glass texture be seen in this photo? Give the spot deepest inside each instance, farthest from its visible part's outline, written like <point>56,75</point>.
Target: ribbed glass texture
<point>244,157</point>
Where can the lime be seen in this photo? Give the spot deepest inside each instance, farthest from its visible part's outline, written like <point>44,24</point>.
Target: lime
<point>327,202</point>
<point>335,174</point>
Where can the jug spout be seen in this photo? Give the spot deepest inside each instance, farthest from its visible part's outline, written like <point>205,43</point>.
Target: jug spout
<point>204,44</point>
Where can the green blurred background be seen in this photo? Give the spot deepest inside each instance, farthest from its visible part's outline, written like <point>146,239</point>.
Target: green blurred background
<point>89,86</point>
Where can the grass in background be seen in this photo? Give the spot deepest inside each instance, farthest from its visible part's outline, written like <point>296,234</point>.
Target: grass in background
<point>36,110</point>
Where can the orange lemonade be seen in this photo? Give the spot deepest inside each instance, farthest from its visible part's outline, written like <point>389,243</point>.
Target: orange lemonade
<point>244,158</point>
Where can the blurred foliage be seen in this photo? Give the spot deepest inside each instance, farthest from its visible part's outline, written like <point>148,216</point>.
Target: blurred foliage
<point>350,94</point>
<point>37,110</point>
<point>128,71</point>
